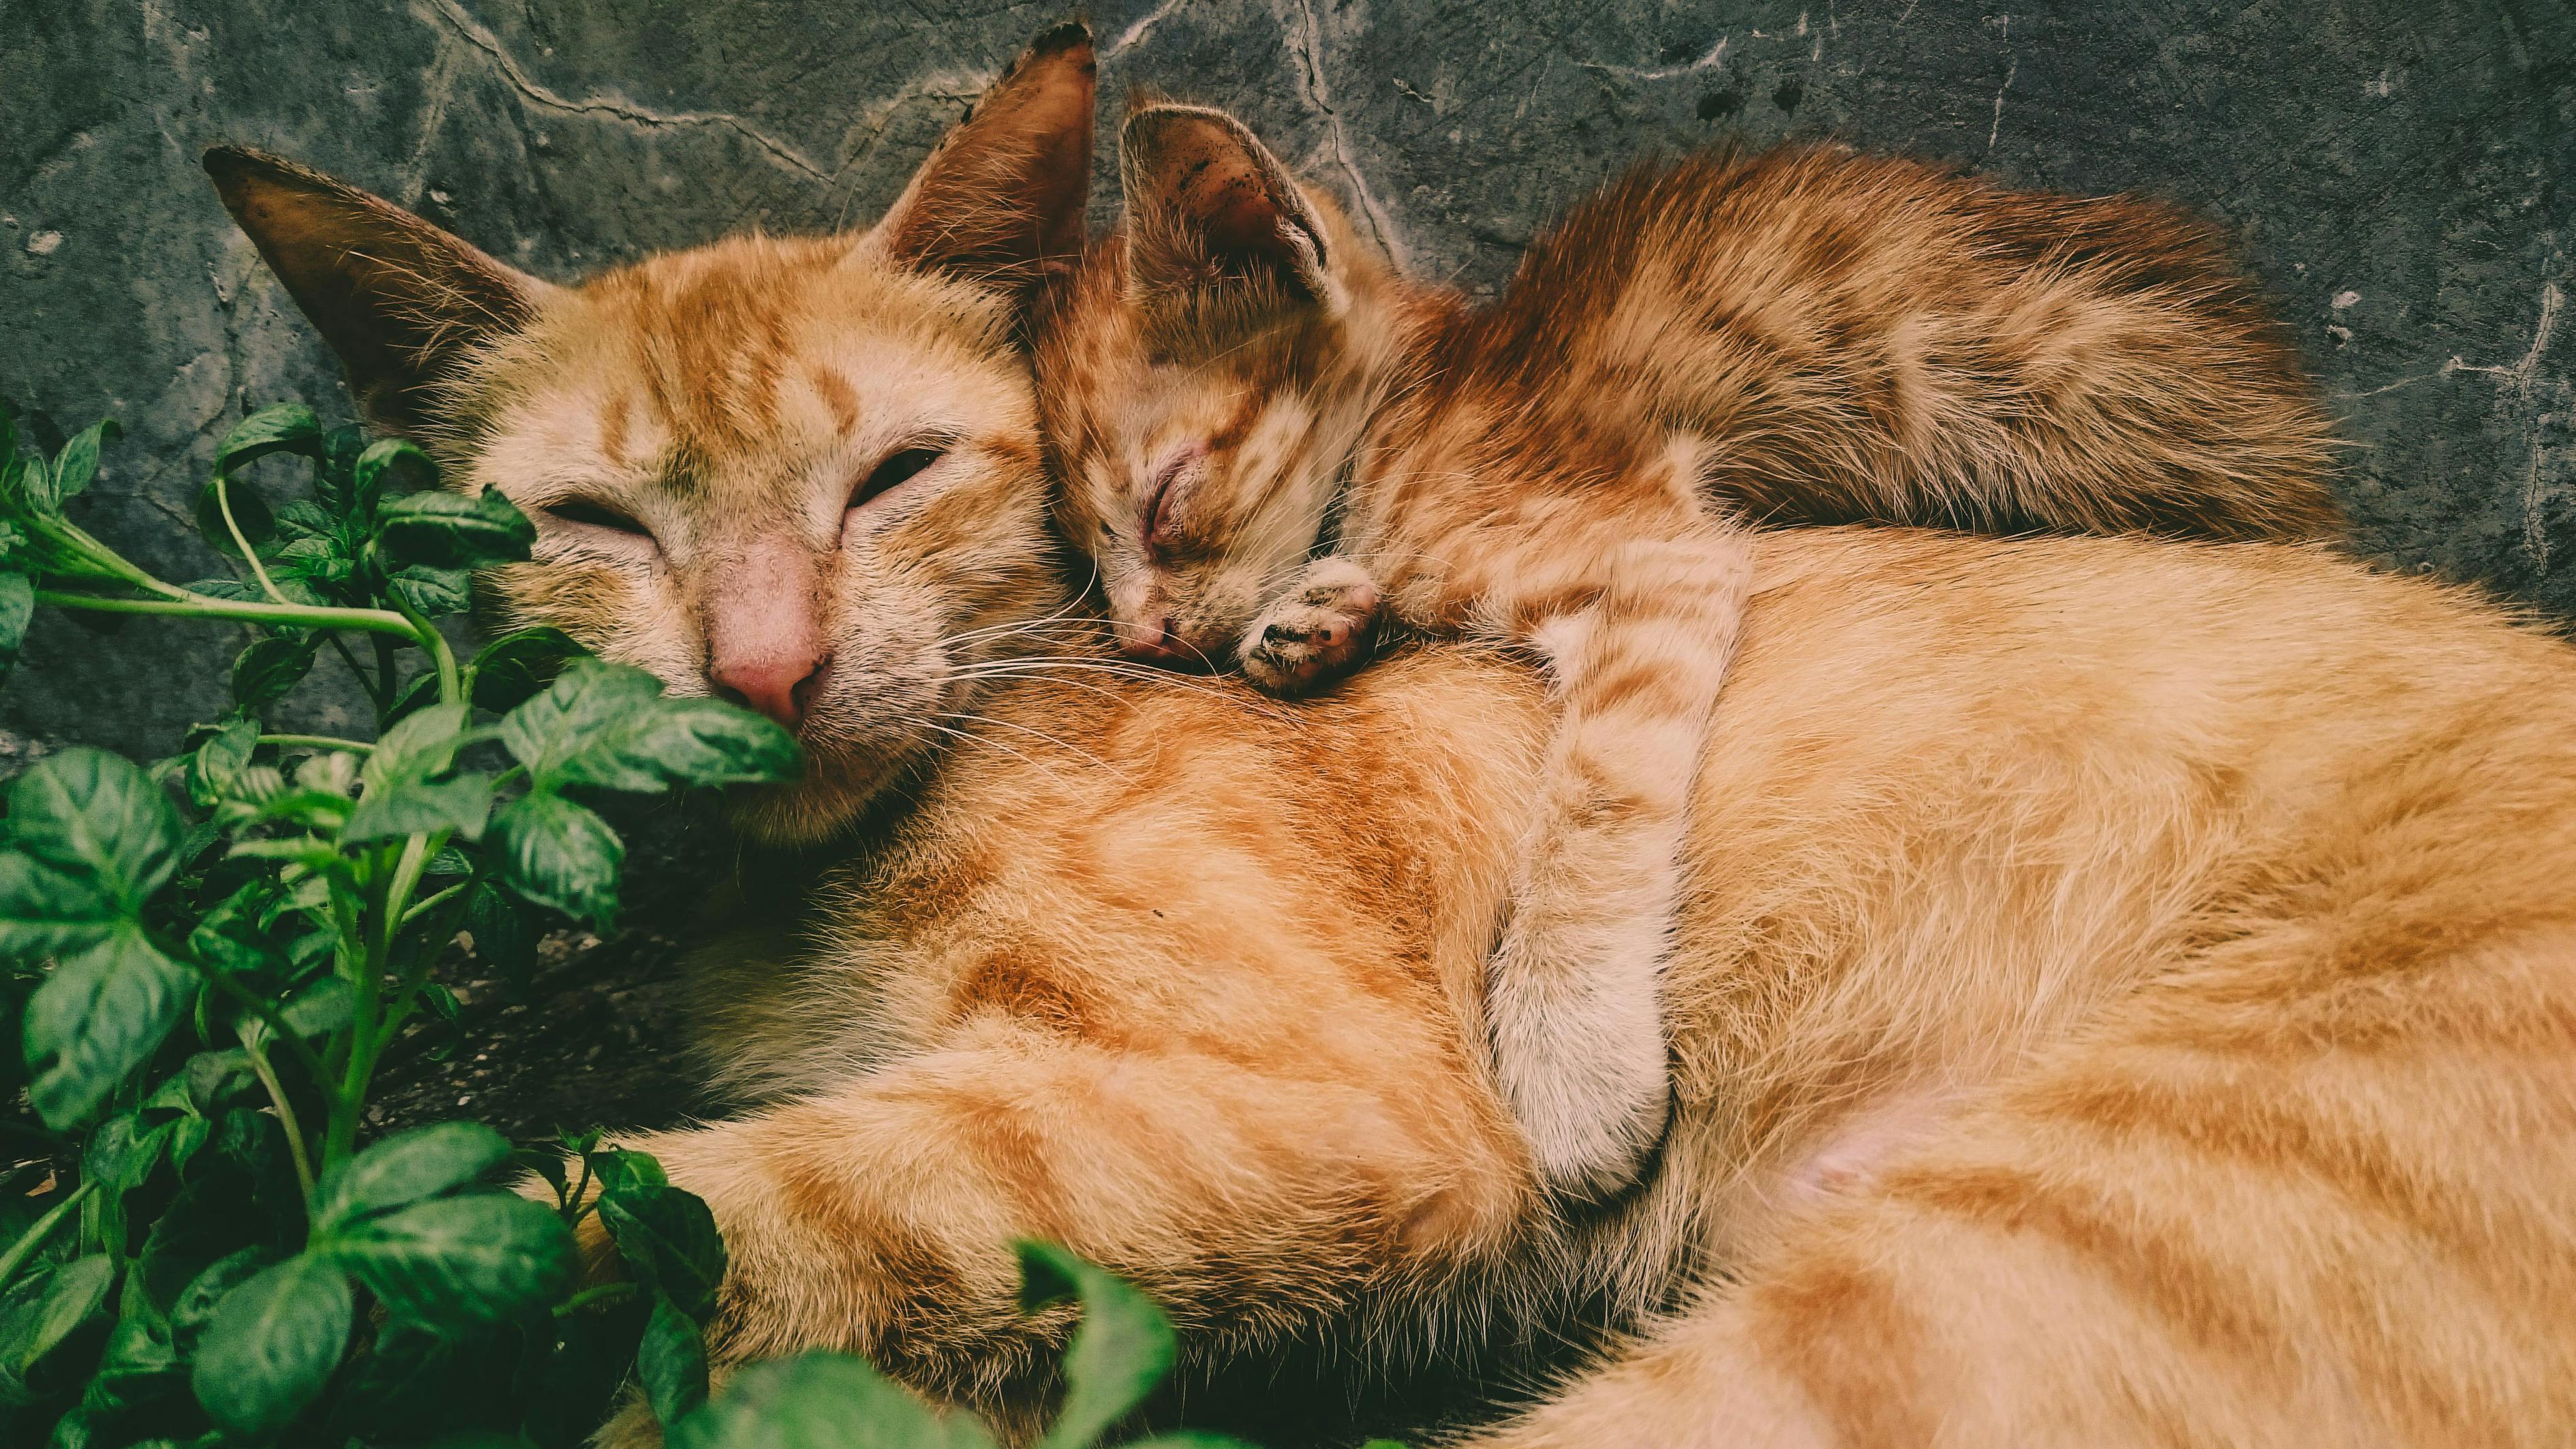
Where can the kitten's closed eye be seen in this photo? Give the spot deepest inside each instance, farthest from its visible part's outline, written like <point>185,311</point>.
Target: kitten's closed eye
<point>899,466</point>
<point>591,513</point>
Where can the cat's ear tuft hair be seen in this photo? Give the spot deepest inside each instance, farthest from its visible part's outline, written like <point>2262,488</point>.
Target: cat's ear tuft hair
<point>1000,201</point>
<point>1211,211</point>
<point>402,302</point>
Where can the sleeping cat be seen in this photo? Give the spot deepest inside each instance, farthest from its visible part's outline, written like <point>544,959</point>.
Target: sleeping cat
<point>1269,437</point>
<point>2126,992</point>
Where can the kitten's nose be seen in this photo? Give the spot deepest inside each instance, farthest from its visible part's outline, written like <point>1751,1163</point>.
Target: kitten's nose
<point>780,687</point>
<point>1149,639</point>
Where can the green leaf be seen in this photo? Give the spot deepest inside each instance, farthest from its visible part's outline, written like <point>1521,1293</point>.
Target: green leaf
<point>77,464</point>
<point>1121,1350</point>
<point>218,763</point>
<point>405,1168</point>
<point>322,1008</point>
<point>75,1294</point>
<point>606,725</point>
<point>457,1260</point>
<point>17,611</point>
<point>90,813</point>
<point>417,807</point>
<point>504,935</point>
<point>434,593</point>
<point>672,1362</point>
<point>250,510</point>
<point>823,1401</point>
<point>100,1015</point>
<point>452,531</point>
<point>140,1371</point>
<point>561,856</point>
<point>389,464</point>
<point>272,1347</point>
<point>666,1234</point>
<point>47,912</point>
<point>271,666</point>
<point>279,428</point>
<point>206,1084</point>
<point>514,668</point>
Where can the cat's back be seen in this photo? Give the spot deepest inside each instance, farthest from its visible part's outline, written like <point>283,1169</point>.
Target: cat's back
<point>1871,338</point>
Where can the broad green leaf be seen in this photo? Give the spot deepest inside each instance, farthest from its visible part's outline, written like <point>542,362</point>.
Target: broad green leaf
<point>272,1347</point>
<point>47,912</point>
<point>333,477</point>
<point>77,464</point>
<point>389,465</point>
<point>559,855</point>
<point>589,702</point>
<point>514,668</point>
<point>100,1015</point>
<point>75,1294</point>
<point>434,593</point>
<point>461,803</point>
<point>120,1157</point>
<point>823,1401</point>
<point>238,590</point>
<point>94,814</point>
<point>139,1371</point>
<point>321,1008</point>
<point>250,510</point>
<point>452,531</point>
<point>217,764</point>
<point>458,1260</point>
<point>193,1309</point>
<point>279,428</point>
<point>672,1362</point>
<point>1120,1351</point>
<point>205,1085</point>
<point>667,1237</point>
<point>17,611</point>
<point>421,745</point>
<point>606,725</point>
<point>407,1167</point>
<point>271,666</point>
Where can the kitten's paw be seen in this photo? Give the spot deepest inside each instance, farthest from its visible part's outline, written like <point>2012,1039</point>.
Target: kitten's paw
<point>1316,632</point>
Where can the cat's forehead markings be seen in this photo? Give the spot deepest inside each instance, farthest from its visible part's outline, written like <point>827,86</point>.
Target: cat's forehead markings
<point>614,417</point>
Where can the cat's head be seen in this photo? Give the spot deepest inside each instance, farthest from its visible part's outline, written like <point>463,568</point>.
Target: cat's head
<point>801,473</point>
<point>1205,378</point>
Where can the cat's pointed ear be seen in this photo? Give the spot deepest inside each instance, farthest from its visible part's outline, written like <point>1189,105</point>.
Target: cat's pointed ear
<point>1002,197</point>
<point>401,302</point>
<point>1210,209</point>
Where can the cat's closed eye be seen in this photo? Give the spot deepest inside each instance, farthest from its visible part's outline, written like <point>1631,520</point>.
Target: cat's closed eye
<point>899,467</point>
<point>591,513</point>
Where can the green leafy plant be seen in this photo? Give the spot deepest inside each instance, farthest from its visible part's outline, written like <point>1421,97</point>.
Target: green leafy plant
<point>206,960</point>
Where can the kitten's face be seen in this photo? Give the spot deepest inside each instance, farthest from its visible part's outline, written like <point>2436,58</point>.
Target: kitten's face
<point>1196,473</point>
<point>1203,383</point>
<point>801,474</point>
<point>783,472</point>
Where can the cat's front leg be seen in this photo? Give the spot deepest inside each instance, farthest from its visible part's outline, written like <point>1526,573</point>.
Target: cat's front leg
<point>1317,630</point>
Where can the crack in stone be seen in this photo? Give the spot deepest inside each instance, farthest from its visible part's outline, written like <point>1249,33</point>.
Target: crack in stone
<point>474,33</point>
<point>1716,53</point>
<point>1141,27</point>
<point>1308,49</point>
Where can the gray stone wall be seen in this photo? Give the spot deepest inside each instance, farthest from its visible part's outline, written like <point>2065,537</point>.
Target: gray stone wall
<point>2399,171</point>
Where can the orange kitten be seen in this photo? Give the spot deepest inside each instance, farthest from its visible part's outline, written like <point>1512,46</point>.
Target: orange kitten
<point>1270,437</point>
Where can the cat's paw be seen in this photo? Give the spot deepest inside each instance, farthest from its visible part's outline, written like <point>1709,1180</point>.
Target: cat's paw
<point>1314,633</point>
<point>1580,1055</point>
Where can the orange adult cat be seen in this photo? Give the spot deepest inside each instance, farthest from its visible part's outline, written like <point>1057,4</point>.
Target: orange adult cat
<point>1266,431</point>
<point>2125,994</point>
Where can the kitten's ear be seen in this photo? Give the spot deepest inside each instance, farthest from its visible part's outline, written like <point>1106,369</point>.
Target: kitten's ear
<point>1002,196</point>
<point>399,300</point>
<point>1209,207</point>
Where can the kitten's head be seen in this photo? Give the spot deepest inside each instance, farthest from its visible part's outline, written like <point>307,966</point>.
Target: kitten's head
<point>1205,377</point>
<point>800,473</point>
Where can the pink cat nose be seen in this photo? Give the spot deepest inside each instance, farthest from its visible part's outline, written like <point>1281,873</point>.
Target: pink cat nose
<point>780,686</point>
<point>1149,639</point>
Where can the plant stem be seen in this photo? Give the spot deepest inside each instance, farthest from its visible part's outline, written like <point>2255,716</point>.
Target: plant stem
<point>451,683</point>
<point>433,901</point>
<point>320,742</point>
<point>34,1237</point>
<point>198,606</point>
<point>261,1007</point>
<point>286,1117</point>
<point>224,505</point>
<point>604,1293</point>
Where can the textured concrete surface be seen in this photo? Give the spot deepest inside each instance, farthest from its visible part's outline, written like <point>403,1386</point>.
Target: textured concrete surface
<point>2399,170</point>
